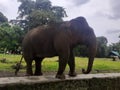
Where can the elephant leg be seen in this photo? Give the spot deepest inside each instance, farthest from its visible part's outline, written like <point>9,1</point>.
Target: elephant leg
<point>62,48</point>
<point>29,71</point>
<point>71,63</point>
<point>63,60</point>
<point>38,66</point>
<point>61,69</point>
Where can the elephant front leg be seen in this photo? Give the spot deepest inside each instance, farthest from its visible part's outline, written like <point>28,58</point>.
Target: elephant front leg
<point>63,51</point>
<point>62,64</point>
<point>71,63</point>
<point>38,66</point>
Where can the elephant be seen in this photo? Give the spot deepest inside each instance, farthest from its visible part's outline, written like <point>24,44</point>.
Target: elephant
<point>59,40</point>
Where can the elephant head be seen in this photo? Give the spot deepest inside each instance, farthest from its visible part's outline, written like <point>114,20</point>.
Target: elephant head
<point>82,33</point>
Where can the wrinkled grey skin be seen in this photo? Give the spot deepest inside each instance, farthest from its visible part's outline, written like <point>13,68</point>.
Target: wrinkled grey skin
<point>59,40</point>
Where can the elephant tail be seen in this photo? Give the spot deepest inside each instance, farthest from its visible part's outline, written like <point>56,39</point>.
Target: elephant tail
<point>18,66</point>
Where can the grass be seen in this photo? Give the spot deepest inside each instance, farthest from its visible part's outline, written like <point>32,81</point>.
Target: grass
<point>106,65</point>
<point>50,65</point>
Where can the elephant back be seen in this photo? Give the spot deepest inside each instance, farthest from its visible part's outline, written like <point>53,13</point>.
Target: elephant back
<point>80,24</point>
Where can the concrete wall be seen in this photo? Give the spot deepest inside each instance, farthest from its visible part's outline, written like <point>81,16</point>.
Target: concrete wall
<point>108,81</point>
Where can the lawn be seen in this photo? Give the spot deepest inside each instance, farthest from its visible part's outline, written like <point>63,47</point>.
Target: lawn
<point>101,65</point>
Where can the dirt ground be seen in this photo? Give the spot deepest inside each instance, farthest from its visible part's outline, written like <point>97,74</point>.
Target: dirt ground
<point>22,74</point>
<point>12,74</point>
<point>9,74</point>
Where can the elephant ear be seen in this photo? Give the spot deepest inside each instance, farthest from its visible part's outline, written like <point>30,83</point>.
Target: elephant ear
<point>79,22</point>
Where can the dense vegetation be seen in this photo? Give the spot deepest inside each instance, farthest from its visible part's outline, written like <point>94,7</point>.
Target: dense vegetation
<point>41,12</point>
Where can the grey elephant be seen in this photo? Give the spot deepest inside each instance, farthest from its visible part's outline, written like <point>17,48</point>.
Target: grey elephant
<point>59,40</point>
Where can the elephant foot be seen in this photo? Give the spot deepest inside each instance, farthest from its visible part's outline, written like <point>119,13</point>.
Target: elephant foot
<point>28,74</point>
<point>60,76</point>
<point>72,74</point>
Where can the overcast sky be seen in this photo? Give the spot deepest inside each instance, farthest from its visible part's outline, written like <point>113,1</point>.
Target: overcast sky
<point>102,15</point>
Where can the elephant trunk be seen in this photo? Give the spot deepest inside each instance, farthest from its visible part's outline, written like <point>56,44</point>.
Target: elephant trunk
<point>90,64</point>
<point>92,53</point>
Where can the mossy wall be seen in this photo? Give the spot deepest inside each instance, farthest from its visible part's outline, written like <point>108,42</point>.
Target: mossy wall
<point>89,83</point>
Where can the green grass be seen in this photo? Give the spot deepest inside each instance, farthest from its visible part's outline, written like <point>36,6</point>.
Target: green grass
<point>50,64</point>
<point>106,65</point>
<point>10,61</point>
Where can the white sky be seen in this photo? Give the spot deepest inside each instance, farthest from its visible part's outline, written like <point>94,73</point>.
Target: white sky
<point>102,15</point>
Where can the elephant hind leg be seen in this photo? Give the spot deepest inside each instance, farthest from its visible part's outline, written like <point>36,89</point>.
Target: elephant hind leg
<point>38,66</point>
<point>29,71</point>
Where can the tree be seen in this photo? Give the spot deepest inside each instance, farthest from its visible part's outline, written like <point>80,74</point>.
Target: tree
<point>10,37</point>
<point>3,18</point>
<point>114,47</point>
<point>81,50</point>
<point>102,47</point>
<point>40,12</point>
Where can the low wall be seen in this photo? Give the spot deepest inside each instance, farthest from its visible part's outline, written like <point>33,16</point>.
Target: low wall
<point>107,81</point>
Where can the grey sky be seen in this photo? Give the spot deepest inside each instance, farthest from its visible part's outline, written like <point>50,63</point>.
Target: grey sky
<point>102,15</point>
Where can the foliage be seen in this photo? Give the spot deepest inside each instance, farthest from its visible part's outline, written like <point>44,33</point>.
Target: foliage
<point>81,50</point>
<point>31,14</point>
<point>102,47</point>
<point>10,37</point>
<point>114,47</point>
<point>3,18</point>
<point>40,12</point>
